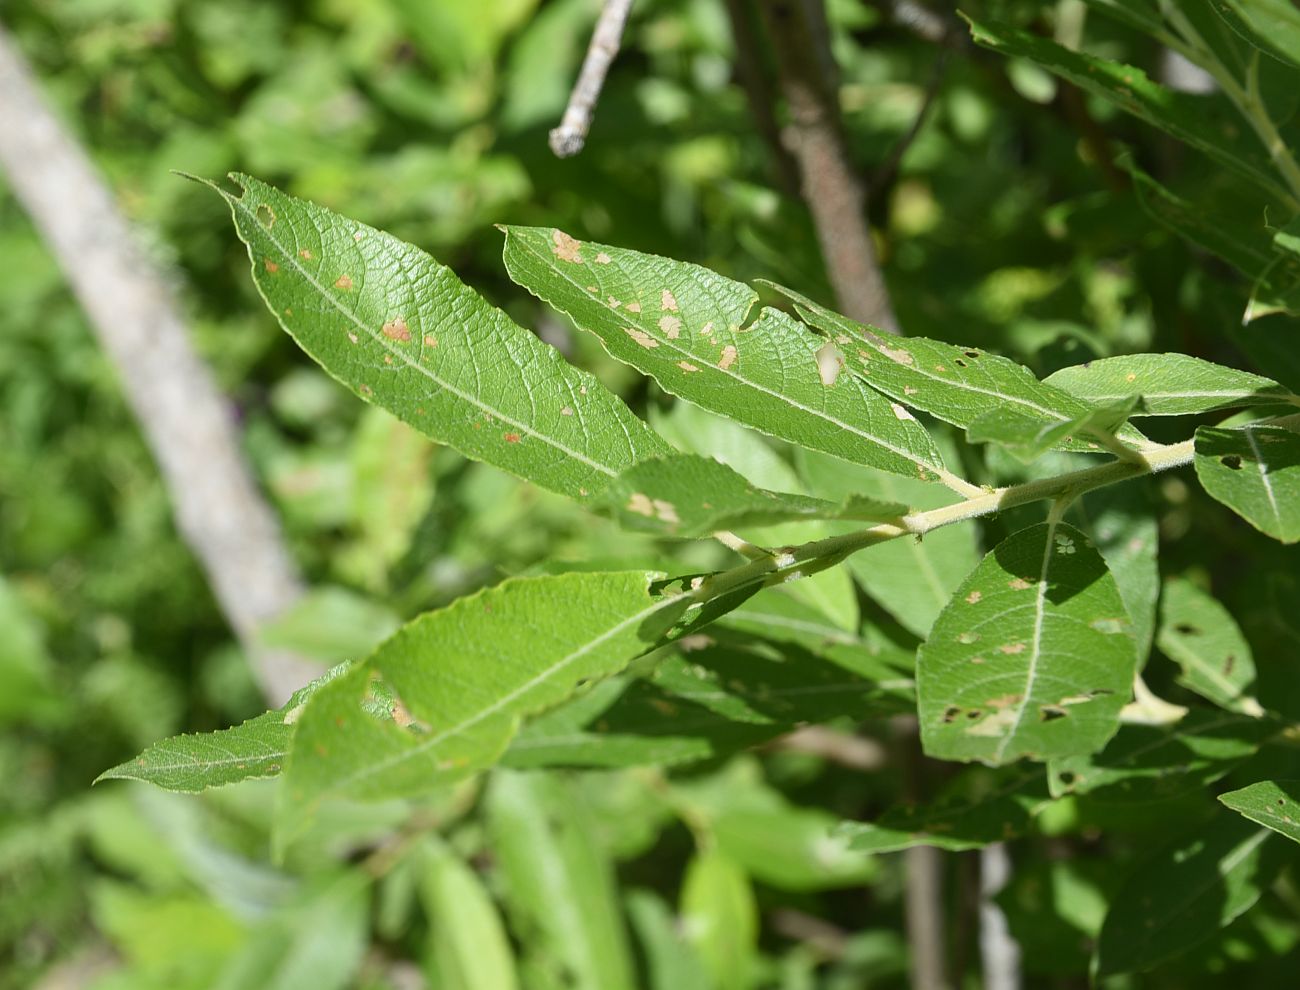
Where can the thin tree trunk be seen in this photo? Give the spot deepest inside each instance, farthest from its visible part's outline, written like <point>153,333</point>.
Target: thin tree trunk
<point>218,509</point>
<point>832,189</point>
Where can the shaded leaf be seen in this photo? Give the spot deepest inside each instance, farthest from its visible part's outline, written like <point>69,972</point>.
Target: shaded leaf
<point>468,947</point>
<point>1122,522</point>
<point>1206,122</point>
<point>559,883</point>
<point>690,496</point>
<point>1170,384</point>
<point>1201,636</point>
<point>1151,763</point>
<point>687,328</point>
<point>720,919</point>
<point>1273,26</point>
<point>1033,656</point>
<point>670,958</point>
<point>1274,804</point>
<point>403,332</point>
<point>1187,892</point>
<point>1255,471</point>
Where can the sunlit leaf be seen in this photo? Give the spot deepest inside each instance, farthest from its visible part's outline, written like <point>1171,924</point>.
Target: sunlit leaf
<point>1028,436</point>
<point>1032,657</point>
<point>1274,804</point>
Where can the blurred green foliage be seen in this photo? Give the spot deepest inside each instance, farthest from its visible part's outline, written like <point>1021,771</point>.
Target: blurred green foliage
<point>1008,226</point>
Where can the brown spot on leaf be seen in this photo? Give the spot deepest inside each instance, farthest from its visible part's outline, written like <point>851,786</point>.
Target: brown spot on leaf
<point>671,326</point>
<point>271,266</point>
<point>396,329</point>
<point>566,411</point>
<point>1018,584</point>
<point>687,366</point>
<point>603,258</point>
<point>634,307</point>
<point>728,357</point>
<point>365,390</point>
<point>641,337</point>
<point>512,437</point>
<point>973,597</point>
<point>430,340</point>
<point>667,301</point>
<point>641,505</point>
<point>707,328</point>
<point>565,247</point>
<point>305,255</point>
<point>343,282</point>
<point>897,354</point>
<point>353,337</point>
<point>1012,648</point>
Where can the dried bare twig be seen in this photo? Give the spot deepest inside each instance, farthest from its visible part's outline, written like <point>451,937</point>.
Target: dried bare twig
<point>568,139</point>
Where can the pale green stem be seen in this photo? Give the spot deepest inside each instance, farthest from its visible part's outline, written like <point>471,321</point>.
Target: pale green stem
<point>791,563</point>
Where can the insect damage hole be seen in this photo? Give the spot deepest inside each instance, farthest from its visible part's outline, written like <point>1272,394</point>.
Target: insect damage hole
<point>1231,461</point>
<point>265,216</point>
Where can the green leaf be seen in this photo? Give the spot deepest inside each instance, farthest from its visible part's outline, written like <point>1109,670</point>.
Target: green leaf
<point>776,842</point>
<point>468,947</point>
<point>1152,763</point>
<point>714,700</point>
<point>1272,26</point>
<point>978,807</point>
<point>720,919</point>
<point>671,960</point>
<point>1032,657</point>
<point>1274,804</point>
<point>558,881</point>
<point>689,496</point>
<point>912,579</point>
<point>1207,123</point>
<point>1123,524</point>
<point>1201,636</point>
<point>318,941</point>
<point>1170,384</point>
<point>462,677</point>
<point>686,327</point>
<point>1187,892</point>
<point>255,748</point>
<point>1255,471</point>
<point>403,332</point>
<point>1028,436</point>
<point>958,385</point>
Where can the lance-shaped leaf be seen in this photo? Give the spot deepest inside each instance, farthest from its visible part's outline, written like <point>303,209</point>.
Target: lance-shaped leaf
<point>720,918</point>
<point>461,678</point>
<point>1123,524</point>
<point>1203,638</point>
<point>689,496</point>
<point>1207,123</point>
<point>1028,435</point>
<point>976,808</point>
<point>714,700</point>
<point>1187,892</point>
<point>1255,471</point>
<point>255,748</point>
<point>1272,26</point>
<point>953,383</point>
<point>559,884</point>
<point>1032,657</point>
<point>403,332</point>
<point>468,946</point>
<point>687,328</point>
<point>1170,384</point>
<point>1146,763</point>
<point>1274,804</point>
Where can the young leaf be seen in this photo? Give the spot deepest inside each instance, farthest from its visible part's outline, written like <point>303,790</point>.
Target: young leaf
<point>403,332</point>
<point>956,384</point>
<point>911,579</point>
<point>720,919</point>
<point>1255,471</point>
<point>468,946</point>
<point>1207,123</point>
<point>462,677</point>
<point>559,883</point>
<point>689,496</point>
<point>976,808</point>
<point>255,748</point>
<point>1148,763</point>
<point>1033,656</point>
<point>1188,892</point>
<point>1170,384</point>
<point>1201,636</point>
<point>1028,436</point>
<point>686,327</point>
<point>1274,804</point>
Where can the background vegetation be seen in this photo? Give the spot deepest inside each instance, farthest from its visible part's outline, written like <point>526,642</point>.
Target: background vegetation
<point>1008,224</point>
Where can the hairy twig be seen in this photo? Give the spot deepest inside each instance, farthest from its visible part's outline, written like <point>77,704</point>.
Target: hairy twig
<point>571,135</point>
<point>186,423</point>
<point>833,191</point>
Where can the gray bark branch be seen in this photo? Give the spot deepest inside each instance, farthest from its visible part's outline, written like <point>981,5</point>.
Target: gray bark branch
<point>186,423</point>
<point>569,138</point>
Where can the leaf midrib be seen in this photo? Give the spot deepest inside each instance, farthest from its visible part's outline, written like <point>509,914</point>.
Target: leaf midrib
<point>404,357</point>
